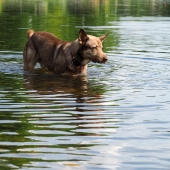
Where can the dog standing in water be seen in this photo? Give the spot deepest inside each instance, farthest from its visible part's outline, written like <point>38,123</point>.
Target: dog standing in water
<point>59,56</point>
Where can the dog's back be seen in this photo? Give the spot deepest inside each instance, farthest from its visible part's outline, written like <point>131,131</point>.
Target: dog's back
<point>41,47</point>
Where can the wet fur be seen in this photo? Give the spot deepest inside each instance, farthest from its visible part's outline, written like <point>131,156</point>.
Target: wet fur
<point>57,55</point>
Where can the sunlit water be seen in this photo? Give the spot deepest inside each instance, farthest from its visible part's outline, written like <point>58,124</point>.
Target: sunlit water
<point>115,118</point>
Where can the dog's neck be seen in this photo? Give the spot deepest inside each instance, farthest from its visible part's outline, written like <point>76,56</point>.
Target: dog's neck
<point>78,64</point>
<point>78,60</point>
<point>77,56</point>
<point>74,61</point>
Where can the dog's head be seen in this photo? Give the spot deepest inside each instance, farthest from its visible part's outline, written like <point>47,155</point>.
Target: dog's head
<point>91,47</point>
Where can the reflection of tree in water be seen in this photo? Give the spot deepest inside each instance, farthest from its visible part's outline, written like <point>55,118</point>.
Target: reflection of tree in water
<point>82,7</point>
<point>61,17</point>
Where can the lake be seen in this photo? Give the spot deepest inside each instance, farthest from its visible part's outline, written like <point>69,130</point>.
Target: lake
<point>118,117</point>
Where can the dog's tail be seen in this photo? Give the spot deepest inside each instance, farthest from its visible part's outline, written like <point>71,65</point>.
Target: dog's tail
<point>30,33</point>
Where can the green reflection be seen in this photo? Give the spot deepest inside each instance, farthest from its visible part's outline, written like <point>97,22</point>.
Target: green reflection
<point>64,18</point>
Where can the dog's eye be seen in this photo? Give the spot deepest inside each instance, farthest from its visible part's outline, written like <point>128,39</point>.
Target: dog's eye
<point>94,47</point>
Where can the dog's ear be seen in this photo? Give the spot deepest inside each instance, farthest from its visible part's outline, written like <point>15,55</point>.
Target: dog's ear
<point>82,37</point>
<point>102,38</point>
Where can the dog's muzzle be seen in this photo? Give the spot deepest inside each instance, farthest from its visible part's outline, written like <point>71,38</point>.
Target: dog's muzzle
<point>103,59</point>
<point>99,59</point>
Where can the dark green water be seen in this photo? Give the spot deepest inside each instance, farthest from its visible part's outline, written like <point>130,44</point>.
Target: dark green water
<point>115,118</point>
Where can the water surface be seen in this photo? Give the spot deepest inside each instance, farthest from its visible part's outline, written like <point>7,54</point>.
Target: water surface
<point>115,118</point>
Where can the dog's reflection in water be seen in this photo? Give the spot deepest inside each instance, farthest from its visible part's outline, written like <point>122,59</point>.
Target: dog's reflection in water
<point>53,84</point>
<point>73,95</point>
<point>50,84</point>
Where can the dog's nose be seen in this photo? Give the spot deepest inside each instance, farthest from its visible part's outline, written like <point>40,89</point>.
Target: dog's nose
<point>105,59</point>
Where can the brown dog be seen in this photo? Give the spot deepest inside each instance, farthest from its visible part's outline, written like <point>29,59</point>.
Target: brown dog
<point>59,56</point>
